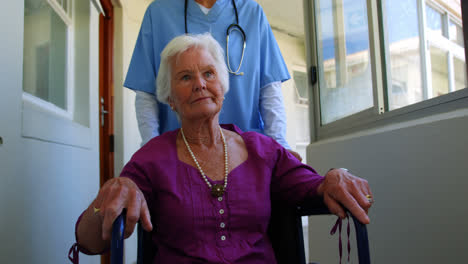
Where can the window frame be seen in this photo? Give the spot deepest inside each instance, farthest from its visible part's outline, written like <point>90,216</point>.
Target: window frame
<point>445,38</point>
<point>66,15</point>
<point>299,99</point>
<point>43,120</point>
<point>379,114</point>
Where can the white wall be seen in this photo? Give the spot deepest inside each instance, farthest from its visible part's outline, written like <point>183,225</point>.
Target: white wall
<point>44,186</point>
<point>418,172</point>
<point>128,16</point>
<point>297,115</point>
<point>293,52</point>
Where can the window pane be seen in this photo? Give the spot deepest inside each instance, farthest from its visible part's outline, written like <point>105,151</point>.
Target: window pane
<point>403,42</point>
<point>45,53</point>
<point>460,74</point>
<point>434,21</point>
<point>439,71</point>
<point>456,33</point>
<point>300,82</point>
<point>344,60</point>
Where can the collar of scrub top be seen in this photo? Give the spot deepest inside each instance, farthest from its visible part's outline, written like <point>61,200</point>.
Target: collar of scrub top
<point>231,27</point>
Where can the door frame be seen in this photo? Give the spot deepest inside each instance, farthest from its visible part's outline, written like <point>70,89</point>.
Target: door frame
<point>106,97</point>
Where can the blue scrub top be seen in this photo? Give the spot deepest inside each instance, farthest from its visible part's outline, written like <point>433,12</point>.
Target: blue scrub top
<point>262,65</point>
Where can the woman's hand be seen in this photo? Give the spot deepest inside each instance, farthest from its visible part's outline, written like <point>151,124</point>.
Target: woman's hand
<point>113,197</point>
<point>341,188</point>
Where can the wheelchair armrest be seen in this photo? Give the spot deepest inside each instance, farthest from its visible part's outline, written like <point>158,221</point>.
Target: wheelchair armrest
<point>314,206</point>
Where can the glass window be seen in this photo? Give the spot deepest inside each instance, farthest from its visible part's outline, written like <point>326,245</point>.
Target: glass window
<point>344,60</point>
<point>45,53</point>
<point>59,72</point>
<point>460,73</point>
<point>302,88</point>
<point>419,51</point>
<point>434,21</point>
<point>456,33</point>
<point>439,71</point>
<point>403,45</point>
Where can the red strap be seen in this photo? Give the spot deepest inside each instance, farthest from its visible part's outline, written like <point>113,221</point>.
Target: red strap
<point>338,225</point>
<point>74,254</point>
<point>349,243</point>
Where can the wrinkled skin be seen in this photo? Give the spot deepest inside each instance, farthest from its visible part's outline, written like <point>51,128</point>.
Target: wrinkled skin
<point>342,190</point>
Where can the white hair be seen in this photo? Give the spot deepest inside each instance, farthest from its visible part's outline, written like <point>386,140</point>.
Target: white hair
<point>177,46</point>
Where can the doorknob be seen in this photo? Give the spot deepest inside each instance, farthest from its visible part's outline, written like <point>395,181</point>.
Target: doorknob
<point>103,112</point>
<point>1,141</point>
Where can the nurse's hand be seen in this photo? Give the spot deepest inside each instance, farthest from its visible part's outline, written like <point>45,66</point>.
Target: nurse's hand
<point>113,197</point>
<point>342,189</point>
<point>295,154</point>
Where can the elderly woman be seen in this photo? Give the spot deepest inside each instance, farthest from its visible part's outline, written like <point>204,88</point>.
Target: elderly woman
<point>207,187</point>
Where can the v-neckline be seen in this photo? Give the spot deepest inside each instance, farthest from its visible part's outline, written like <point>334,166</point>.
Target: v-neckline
<point>215,11</point>
<point>180,162</point>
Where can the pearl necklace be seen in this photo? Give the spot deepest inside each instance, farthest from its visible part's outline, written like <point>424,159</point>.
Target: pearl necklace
<point>217,190</point>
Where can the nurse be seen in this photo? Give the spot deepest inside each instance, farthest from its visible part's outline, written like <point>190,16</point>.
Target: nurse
<point>257,68</point>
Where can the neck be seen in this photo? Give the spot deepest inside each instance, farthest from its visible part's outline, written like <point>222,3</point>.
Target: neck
<point>205,133</point>
<point>206,3</point>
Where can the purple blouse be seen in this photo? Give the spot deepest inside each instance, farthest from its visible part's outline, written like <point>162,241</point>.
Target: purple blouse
<point>191,226</point>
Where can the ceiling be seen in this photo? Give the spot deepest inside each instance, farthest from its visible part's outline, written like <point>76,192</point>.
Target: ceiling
<point>285,15</point>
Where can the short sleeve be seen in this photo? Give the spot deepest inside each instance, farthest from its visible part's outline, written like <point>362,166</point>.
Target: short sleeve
<point>141,73</point>
<point>272,65</point>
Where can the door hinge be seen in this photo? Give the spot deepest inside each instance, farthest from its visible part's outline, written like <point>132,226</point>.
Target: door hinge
<point>313,75</point>
<point>111,143</point>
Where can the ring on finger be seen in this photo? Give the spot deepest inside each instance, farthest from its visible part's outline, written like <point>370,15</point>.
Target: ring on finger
<point>369,198</point>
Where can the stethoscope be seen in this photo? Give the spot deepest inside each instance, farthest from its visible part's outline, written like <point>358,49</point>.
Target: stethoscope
<point>228,31</point>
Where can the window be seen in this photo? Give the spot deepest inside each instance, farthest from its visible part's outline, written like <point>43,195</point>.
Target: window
<point>375,57</point>
<point>300,84</point>
<point>345,79</point>
<point>56,49</point>
<point>443,63</point>
<point>57,62</point>
<point>46,56</point>
<point>403,47</point>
